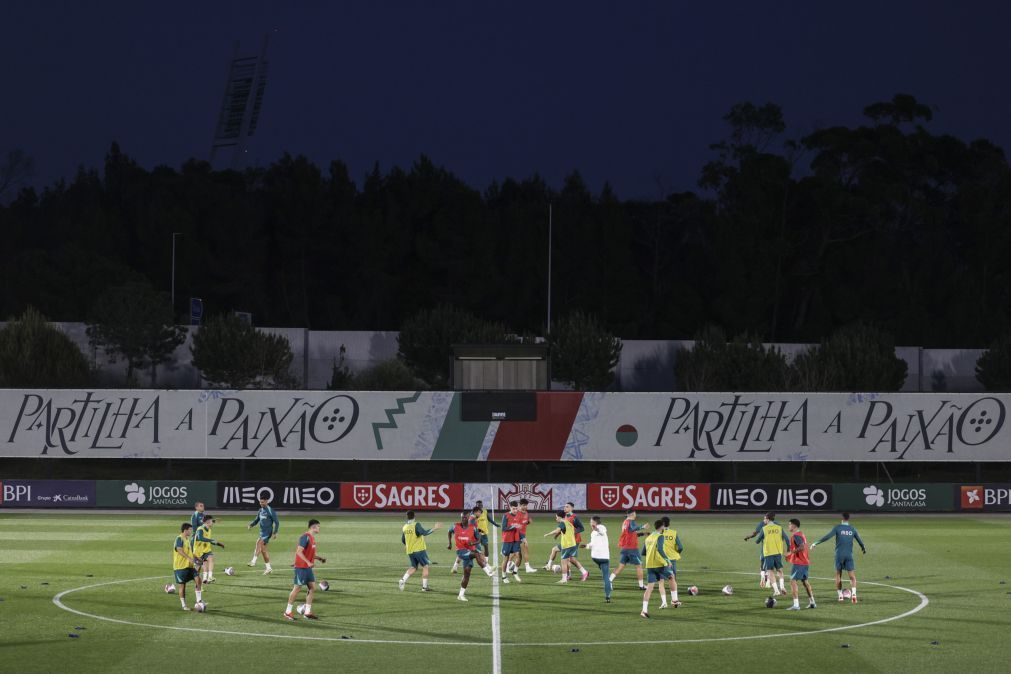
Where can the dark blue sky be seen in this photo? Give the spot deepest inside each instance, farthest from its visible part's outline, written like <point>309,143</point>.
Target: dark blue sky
<point>623,91</point>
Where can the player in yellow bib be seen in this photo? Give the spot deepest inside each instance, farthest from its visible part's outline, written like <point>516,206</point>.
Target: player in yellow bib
<point>775,543</point>
<point>202,545</point>
<point>658,566</point>
<point>413,537</point>
<point>566,532</point>
<point>185,564</point>
<point>673,547</point>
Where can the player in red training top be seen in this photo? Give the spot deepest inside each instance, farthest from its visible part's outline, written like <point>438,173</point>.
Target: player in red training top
<point>797,555</point>
<point>511,526</point>
<point>524,547</point>
<point>305,559</point>
<point>465,535</point>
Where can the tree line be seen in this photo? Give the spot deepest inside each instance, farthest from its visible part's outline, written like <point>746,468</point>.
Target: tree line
<point>787,238</point>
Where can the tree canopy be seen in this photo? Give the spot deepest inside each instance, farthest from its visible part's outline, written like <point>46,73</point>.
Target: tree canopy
<point>788,237</point>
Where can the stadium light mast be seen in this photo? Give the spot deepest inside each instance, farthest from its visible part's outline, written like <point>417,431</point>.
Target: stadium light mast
<point>550,227</point>
<point>174,235</point>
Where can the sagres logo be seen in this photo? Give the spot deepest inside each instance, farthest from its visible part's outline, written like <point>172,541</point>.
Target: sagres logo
<point>135,493</point>
<point>972,497</point>
<point>363,494</point>
<point>609,495</point>
<point>874,496</point>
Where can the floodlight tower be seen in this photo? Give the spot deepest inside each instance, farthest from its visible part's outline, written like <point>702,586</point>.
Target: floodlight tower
<point>240,107</point>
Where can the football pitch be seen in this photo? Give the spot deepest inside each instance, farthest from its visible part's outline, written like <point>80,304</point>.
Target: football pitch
<point>85,593</point>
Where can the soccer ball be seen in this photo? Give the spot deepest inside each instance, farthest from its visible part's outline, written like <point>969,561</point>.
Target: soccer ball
<point>693,591</point>
<point>200,607</point>
<point>323,585</point>
<point>556,568</point>
<point>170,588</point>
<point>770,602</point>
<point>846,594</point>
<point>728,589</point>
<point>229,570</point>
<point>300,609</point>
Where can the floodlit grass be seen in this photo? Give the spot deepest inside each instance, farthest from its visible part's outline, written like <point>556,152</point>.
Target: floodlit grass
<point>115,566</point>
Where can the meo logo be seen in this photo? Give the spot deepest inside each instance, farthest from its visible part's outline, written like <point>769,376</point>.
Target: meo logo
<point>972,497</point>
<point>363,494</point>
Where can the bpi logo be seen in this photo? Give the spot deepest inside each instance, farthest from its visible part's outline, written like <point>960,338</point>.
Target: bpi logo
<point>972,497</point>
<point>363,494</point>
<point>610,494</point>
<point>15,493</point>
<point>135,493</point>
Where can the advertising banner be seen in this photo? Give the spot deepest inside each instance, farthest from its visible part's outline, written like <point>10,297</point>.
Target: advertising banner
<point>566,426</point>
<point>659,497</point>
<point>772,497</point>
<point>541,495</point>
<point>154,494</point>
<point>47,494</point>
<point>279,495</point>
<point>882,497</point>
<point>402,496</point>
<point>984,497</point>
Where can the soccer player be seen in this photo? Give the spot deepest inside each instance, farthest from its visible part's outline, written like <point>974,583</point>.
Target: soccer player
<point>774,543</point>
<point>511,527</point>
<point>269,525</point>
<point>600,553</point>
<point>761,557</point>
<point>566,534</point>
<point>202,542</point>
<point>657,566</point>
<point>197,518</point>
<point>797,555</point>
<point>480,516</point>
<point>570,516</point>
<point>844,534</point>
<point>524,547</point>
<point>466,537</point>
<point>305,560</point>
<point>673,548</point>
<point>185,564</point>
<point>413,538</point>
<point>628,543</point>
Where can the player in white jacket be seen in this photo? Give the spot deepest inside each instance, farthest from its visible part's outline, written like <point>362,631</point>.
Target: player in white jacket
<point>600,553</point>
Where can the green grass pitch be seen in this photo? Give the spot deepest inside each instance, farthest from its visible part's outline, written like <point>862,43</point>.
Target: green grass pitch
<point>115,566</point>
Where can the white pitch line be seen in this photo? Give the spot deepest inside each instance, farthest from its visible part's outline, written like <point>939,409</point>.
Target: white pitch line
<point>497,653</point>
<point>58,600</point>
<point>496,616</point>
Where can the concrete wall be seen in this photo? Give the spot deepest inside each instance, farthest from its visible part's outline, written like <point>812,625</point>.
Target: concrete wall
<point>645,364</point>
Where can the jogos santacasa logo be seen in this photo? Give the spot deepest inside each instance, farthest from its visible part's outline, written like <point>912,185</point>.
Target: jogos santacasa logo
<point>402,495</point>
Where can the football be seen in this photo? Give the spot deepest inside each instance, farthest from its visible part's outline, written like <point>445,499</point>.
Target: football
<point>556,568</point>
<point>323,585</point>
<point>728,589</point>
<point>169,588</point>
<point>693,591</point>
<point>770,602</point>
<point>846,594</point>
<point>300,609</point>
<point>229,570</point>
<point>200,607</point>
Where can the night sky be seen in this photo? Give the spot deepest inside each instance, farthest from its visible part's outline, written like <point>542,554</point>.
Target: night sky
<point>629,92</point>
